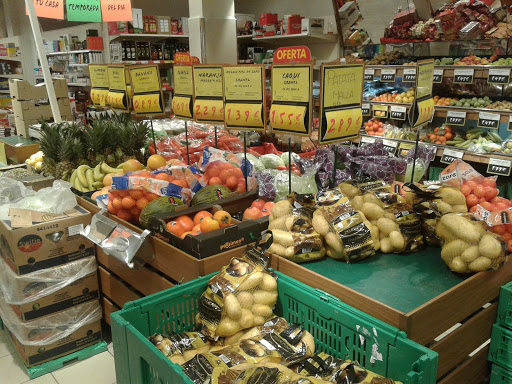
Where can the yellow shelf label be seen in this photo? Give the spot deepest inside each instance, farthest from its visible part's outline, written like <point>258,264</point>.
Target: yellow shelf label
<point>424,82</point>
<point>183,80</point>
<point>425,111</point>
<point>244,115</point>
<point>243,83</point>
<point>3,156</point>
<point>208,110</point>
<point>117,77</point>
<point>342,85</point>
<point>147,103</point>
<point>288,118</point>
<point>117,100</point>
<point>208,81</point>
<point>145,79</point>
<point>342,124</point>
<point>98,75</point>
<point>291,83</point>
<point>99,96</point>
<point>181,106</point>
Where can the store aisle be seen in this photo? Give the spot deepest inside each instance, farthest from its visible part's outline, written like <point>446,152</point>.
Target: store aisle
<point>98,369</point>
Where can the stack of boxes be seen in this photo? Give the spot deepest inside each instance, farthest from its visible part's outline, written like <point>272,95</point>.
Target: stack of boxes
<point>49,296</point>
<point>500,350</point>
<point>30,103</point>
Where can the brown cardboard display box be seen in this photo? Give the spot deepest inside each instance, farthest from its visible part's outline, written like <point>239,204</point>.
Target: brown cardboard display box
<point>28,110</point>
<point>23,90</point>
<point>32,240</point>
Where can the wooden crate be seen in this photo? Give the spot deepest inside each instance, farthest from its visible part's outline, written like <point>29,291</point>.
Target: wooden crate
<point>465,303</point>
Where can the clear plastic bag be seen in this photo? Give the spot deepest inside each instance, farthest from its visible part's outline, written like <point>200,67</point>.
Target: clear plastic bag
<point>12,190</point>
<point>52,328</point>
<point>23,289</point>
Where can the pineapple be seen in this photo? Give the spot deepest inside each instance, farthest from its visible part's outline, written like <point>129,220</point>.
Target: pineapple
<point>65,166</point>
<point>140,132</point>
<point>50,145</point>
<point>94,138</point>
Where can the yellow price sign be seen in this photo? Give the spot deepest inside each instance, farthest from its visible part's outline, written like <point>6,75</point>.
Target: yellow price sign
<point>208,110</point>
<point>117,100</point>
<point>244,83</point>
<point>98,75</point>
<point>99,96</point>
<point>244,115</point>
<point>342,85</point>
<point>183,81</point>
<point>288,118</point>
<point>425,111</point>
<point>208,80</point>
<point>181,106</point>
<point>147,103</point>
<point>291,83</point>
<point>341,125</point>
<point>117,77</point>
<point>145,79</point>
<point>425,78</point>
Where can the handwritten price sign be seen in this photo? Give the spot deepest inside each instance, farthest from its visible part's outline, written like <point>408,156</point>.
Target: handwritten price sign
<point>248,115</point>
<point>99,96</point>
<point>144,104</point>
<point>208,110</point>
<point>342,124</point>
<point>426,111</point>
<point>288,118</point>
<point>117,100</point>
<point>181,106</point>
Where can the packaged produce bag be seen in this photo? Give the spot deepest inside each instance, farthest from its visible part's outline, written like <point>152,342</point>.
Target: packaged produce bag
<point>240,296</point>
<point>468,246</point>
<point>500,223</point>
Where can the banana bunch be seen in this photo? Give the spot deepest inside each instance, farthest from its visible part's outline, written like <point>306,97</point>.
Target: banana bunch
<point>87,179</point>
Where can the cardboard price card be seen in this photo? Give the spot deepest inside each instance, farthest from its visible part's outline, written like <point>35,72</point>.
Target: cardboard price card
<point>424,108</point>
<point>99,96</point>
<point>118,100</point>
<point>208,110</point>
<point>49,9</point>
<point>83,10</point>
<point>116,10</point>
<point>244,97</point>
<point>146,104</point>
<point>182,106</point>
<point>208,91</point>
<point>183,81</point>
<point>289,118</point>
<point>145,78</point>
<point>99,84</point>
<point>116,77</point>
<point>341,96</point>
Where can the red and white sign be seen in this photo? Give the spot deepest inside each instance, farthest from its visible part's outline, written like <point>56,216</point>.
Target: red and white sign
<point>290,55</point>
<point>182,58</point>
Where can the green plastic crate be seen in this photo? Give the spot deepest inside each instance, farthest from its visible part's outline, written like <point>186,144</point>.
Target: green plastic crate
<point>500,350</point>
<point>504,316</point>
<point>338,329</point>
<point>500,375</point>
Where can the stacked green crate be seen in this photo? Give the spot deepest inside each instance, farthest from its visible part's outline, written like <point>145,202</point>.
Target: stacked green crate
<point>500,350</point>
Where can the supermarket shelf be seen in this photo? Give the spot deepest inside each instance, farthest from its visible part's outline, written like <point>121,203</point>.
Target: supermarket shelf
<point>11,58</point>
<point>245,37</point>
<point>78,65</point>
<point>146,35</point>
<point>472,113</point>
<point>399,69</point>
<point>62,53</point>
<point>13,76</point>
<point>78,85</point>
<point>407,105</point>
<point>133,62</point>
<point>313,38</point>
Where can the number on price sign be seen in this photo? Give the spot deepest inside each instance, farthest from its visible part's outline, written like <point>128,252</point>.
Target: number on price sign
<point>365,109</point>
<point>208,110</point>
<point>369,74</point>
<point>463,76</point>
<point>117,100</point>
<point>341,124</point>
<point>488,120</point>
<point>245,115</point>
<point>449,156</point>
<point>456,118</point>
<point>438,75</point>
<point>426,110</point>
<point>509,128</point>
<point>409,75</point>
<point>390,146</point>
<point>181,106</point>
<point>398,113</point>
<point>147,103</point>
<point>288,118</point>
<point>388,75</point>
<point>499,167</point>
<point>498,76</point>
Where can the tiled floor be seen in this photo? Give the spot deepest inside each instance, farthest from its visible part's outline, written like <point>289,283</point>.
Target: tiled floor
<point>98,369</point>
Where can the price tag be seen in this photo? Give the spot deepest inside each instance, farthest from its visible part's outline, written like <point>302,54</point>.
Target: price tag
<point>425,111</point>
<point>147,103</point>
<point>98,75</point>
<point>488,120</point>
<point>463,76</point>
<point>409,75</point>
<point>388,75</point>
<point>117,100</point>
<point>509,123</point>
<point>369,74</point>
<point>397,112</point>
<point>499,167</point>
<point>365,109</point>
<point>116,77</point>
<point>456,118</point>
<point>288,118</point>
<point>498,76</point>
<point>99,96</point>
<point>145,79</point>
<point>438,75</point>
<point>365,140</point>
<point>449,156</point>
<point>405,148</point>
<point>390,146</point>
<point>208,110</point>
<point>247,115</point>
<point>342,124</point>
<point>380,111</point>
<point>181,106</point>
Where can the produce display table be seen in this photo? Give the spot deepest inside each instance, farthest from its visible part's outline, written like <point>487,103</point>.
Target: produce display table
<point>419,295</point>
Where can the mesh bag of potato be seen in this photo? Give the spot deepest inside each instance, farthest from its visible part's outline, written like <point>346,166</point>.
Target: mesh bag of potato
<point>240,296</point>
<point>468,246</point>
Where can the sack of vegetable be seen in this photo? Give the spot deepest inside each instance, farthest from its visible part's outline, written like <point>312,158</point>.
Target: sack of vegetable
<point>468,246</point>
<point>240,296</point>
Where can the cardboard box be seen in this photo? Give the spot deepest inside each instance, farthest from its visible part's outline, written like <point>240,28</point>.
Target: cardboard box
<point>30,110</point>
<point>47,242</point>
<point>23,90</point>
<point>137,23</point>
<point>184,25</point>
<point>18,149</point>
<point>163,24</point>
<point>312,26</point>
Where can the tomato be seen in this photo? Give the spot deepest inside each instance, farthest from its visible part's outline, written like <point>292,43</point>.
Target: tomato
<point>269,205</point>
<point>488,206</point>
<point>465,189</point>
<point>251,213</point>
<point>499,229</point>
<point>200,215</point>
<point>473,209</point>
<point>258,203</point>
<point>490,192</point>
<point>471,184</point>
<point>471,200</point>
<point>223,217</point>
<point>175,228</point>
<point>209,224</point>
<point>479,191</point>
<point>489,182</point>
<point>186,223</point>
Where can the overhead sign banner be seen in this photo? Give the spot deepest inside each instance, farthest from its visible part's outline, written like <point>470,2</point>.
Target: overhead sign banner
<point>147,90</point>
<point>208,94</point>
<point>83,10</point>
<point>341,96</point>
<point>244,97</point>
<point>49,9</point>
<point>117,96</point>
<point>423,110</point>
<point>99,84</point>
<point>116,10</point>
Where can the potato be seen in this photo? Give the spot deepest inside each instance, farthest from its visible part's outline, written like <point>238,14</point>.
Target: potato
<point>409,198</point>
<point>461,227</point>
<point>457,265</point>
<point>320,224</point>
<point>309,340</point>
<point>470,254</point>
<point>397,240</point>
<point>231,340</point>
<point>372,211</point>
<point>261,310</point>
<point>232,306</point>
<point>265,297</point>
<point>453,249</point>
<point>268,283</point>
<point>189,354</point>
<point>178,359</point>
<point>385,245</point>
<point>252,281</point>
<point>247,319</point>
<point>283,238</point>
<point>444,233</point>
<point>480,264</point>
<point>333,240</point>
<point>371,198</point>
<point>277,249</point>
<point>386,225</point>
<point>246,299</point>
<point>227,327</point>
<point>460,208</point>
<point>278,223</point>
<point>374,231</point>
<point>258,320</point>
<point>452,196</point>
<point>357,202</point>
<point>444,207</point>
<point>489,246</point>
<point>349,190</point>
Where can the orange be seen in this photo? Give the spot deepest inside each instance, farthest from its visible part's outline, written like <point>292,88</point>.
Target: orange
<point>181,183</point>
<point>208,224</point>
<point>124,214</point>
<point>135,212</point>
<point>128,202</point>
<point>237,172</point>
<point>151,196</point>
<point>231,182</point>
<point>107,180</point>
<point>132,165</point>
<point>200,215</point>
<point>156,161</point>
<point>117,203</point>
<point>213,171</point>
<point>186,222</point>
<point>215,181</point>
<point>223,217</point>
<point>175,228</point>
<point>162,176</point>
<point>141,203</point>
<point>136,194</point>
<point>240,188</point>
<point>111,208</point>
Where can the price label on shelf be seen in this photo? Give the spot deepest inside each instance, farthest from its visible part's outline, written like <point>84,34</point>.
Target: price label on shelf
<point>499,76</point>
<point>181,106</point>
<point>288,118</point>
<point>456,118</point>
<point>365,109</point>
<point>409,75</point>
<point>405,148</point>
<point>388,75</point>
<point>438,75</point>
<point>247,115</point>
<point>208,110</point>
<point>342,123</point>
<point>500,167</point>
<point>397,112</point>
<point>369,74</point>
<point>449,156</point>
<point>380,111</point>
<point>390,146</point>
<point>145,79</point>
<point>365,140</point>
<point>147,103</point>
<point>489,120</point>
<point>463,76</point>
